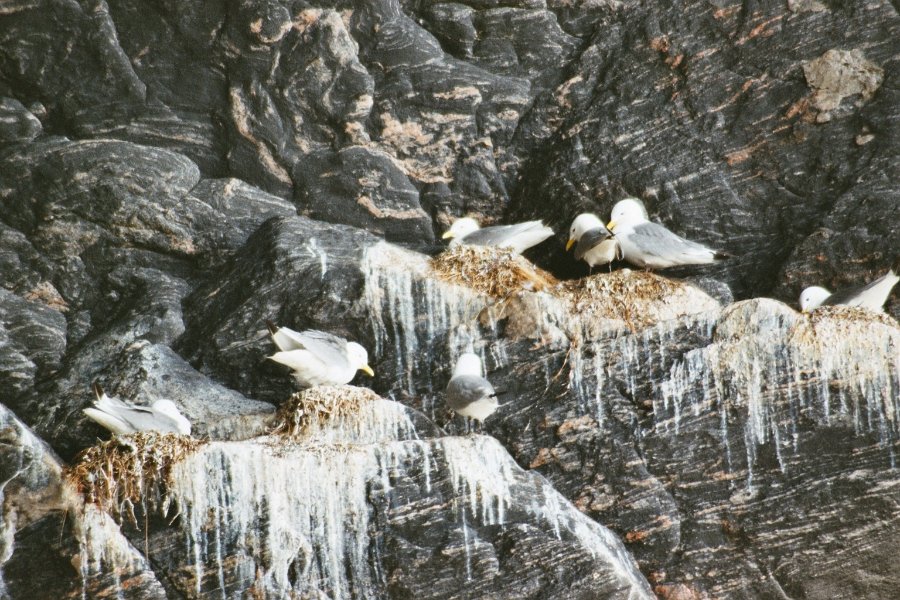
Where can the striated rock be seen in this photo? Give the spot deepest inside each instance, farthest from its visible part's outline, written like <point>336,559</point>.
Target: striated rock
<point>33,339</point>
<point>368,189</point>
<point>295,271</point>
<point>704,112</point>
<point>365,508</point>
<point>736,450</point>
<point>43,523</point>
<point>22,269</point>
<point>730,415</point>
<point>42,42</point>
<point>17,124</point>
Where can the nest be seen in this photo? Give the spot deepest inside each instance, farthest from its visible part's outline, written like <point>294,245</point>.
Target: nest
<point>848,314</point>
<point>844,321</point>
<point>623,295</point>
<point>497,272</point>
<point>130,470</point>
<point>317,406</point>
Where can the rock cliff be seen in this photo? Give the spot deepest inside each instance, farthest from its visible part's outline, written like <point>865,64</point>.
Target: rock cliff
<point>173,174</point>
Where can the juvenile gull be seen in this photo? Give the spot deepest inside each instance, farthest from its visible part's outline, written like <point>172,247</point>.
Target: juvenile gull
<point>519,236</point>
<point>650,245</point>
<point>595,244</point>
<point>318,358</point>
<point>871,296</point>
<point>468,393</point>
<point>123,418</point>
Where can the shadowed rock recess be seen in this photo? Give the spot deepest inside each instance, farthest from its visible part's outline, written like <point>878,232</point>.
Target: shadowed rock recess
<point>172,174</point>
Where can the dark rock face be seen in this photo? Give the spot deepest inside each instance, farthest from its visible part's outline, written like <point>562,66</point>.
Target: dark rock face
<point>43,524</point>
<point>173,174</point>
<point>759,410</point>
<point>434,518</point>
<point>705,112</point>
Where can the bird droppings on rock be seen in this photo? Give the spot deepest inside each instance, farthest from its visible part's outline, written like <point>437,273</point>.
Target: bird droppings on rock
<point>496,272</point>
<point>130,470</point>
<point>319,405</point>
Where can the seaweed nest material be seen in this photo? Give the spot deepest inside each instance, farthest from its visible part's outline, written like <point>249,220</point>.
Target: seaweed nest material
<point>319,405</point>
<point>497,272</point>
<point>630,296</point>
<point>130,470</point>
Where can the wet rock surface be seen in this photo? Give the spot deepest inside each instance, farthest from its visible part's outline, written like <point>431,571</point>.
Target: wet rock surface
<point>171,175</point>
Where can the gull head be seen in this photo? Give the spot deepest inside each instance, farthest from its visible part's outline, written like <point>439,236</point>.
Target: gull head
<point>629,210</point>
<point>359,358</point>
<point>468,364</point>
<point>168,408</point>
<point>461,228</point>
<point>582,223</point>
<point>813,297</point>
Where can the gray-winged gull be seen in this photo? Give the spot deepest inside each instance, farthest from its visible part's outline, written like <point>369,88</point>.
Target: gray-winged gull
<point>468,393</point>
<point>519,236</point>
<point>650,245</point>
<point>123,418</point>
<point>872,296</point>
<point>318,358</point>
<point>595,243</point>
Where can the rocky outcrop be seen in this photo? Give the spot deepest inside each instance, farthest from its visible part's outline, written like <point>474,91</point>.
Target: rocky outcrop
<point>173,174</point>
<point>632,418</point>
<point>359,507</point>
<point>382,512</point>
<point>80,549</point>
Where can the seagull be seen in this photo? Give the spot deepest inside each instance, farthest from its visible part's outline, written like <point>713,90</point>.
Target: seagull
<point>596,245</point>
<point>650,245</point>
<point>123,418</point>
<point>468,393</point>
<point>519,236</point>
<point>318,358</point>
<point>871,296</point>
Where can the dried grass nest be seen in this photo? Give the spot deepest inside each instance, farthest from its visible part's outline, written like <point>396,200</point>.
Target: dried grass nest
<point>317,406</point>
<point>130,470</point>
<point>622,295</point>
<point>840,318</point>
<point>497,272</point>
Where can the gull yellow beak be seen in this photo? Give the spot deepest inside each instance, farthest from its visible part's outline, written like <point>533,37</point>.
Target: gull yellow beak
<point>367,370</point>
<point>447,235</point>
<point>569,244</point>
<point>610,225</point>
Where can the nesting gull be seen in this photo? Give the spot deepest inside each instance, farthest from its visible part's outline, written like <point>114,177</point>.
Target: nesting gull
<point>468,393</point>
<point>650,245</point>
<point>318,358</point>
<point>123,418</point>
<point>519,236</point>
<point>595,244</point>
<point>871,296</point>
